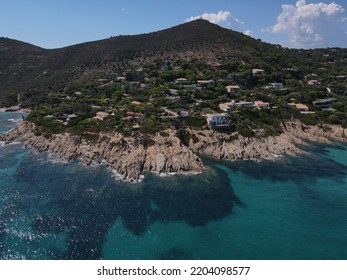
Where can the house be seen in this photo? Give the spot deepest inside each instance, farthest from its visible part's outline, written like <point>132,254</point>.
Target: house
<point>277,86</point>
<point>172,98</point>
<point>184,114</point>
<point>101,116</point>
<point>132,117</point>
<point>233,89</point>
<point>227,107</point>
<point>206,82</point>
<point>121,79</point>
<point>258,72</point>
<point>261,105</point>
<point>136,102</point>
<point>324,103</point>
<point>300,107</point>
<point>313,83</point>
<point>173,91</point>
<point>215,120</point>
<point>67,117</point>
<point>215,65</point>
<point>192,87</point>
<point>244,104</point>
<point>181,81</point>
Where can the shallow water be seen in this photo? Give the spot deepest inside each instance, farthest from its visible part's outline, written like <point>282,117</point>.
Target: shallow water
<point>294,208</point>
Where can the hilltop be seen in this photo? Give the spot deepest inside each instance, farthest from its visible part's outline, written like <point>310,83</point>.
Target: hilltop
<point>28,69</point>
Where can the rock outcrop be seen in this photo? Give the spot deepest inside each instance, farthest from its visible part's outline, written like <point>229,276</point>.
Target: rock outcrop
<point>131,157</point>
<point>237,147</point>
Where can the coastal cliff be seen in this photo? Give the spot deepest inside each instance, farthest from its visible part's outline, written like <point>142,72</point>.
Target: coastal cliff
<point>237,147</point>
<point>131,157</point>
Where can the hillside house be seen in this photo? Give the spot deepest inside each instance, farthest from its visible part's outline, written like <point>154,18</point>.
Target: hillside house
<point>244,104</point>
<point>184,114</point>
<point>227,107</point>
<point>173,91</point>
<point>313,83</point>
<point>258,72</point>
<point>181,81</point>
<point>277,86</point>
<point>192,87</point>
<point>261,104</point>
<point>215,65</point>
<point>233,89</point>
<point>101,116</point>
<point>324,103</point>
<point>206,82</point>
<point>136,102</point>
<point>299,106</point>
<point>121,79</point>
<point>217,120</point>
<point>67,117</point>
<point>132,117</point>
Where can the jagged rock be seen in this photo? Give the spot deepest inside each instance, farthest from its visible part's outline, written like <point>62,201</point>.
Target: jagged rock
<point>237,147</point>
<point>127,157</point>
<point>131,157</point>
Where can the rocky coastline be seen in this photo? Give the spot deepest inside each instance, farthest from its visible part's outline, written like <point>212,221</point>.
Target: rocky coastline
<point>131,157</point>
<point>14,109</point>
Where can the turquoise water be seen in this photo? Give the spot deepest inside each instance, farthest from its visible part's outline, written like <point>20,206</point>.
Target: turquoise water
<point>294,208</point>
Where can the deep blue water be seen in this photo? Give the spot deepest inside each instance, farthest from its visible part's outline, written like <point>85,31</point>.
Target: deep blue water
<point>295,208</point>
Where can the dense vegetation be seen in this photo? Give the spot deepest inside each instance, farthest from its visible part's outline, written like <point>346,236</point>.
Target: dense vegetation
<point>146,82</point>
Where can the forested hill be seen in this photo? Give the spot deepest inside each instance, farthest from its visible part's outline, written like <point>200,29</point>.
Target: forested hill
<point>29,70</point>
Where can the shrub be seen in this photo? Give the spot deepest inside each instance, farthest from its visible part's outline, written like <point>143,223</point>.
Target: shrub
<point>197,122</point>
<point>185,137</point>
<point>150,125</point>
<point>245,131</point>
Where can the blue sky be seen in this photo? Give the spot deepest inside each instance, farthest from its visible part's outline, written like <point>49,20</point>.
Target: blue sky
<point>292,23</point>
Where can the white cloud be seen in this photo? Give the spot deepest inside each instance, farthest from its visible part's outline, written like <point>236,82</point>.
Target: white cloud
<point>223,18</point>
<point>312,25</point>
<point>220,17</point>
<point>248,32</point>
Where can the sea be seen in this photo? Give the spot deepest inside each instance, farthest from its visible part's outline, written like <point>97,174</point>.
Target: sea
<point>293,208</point>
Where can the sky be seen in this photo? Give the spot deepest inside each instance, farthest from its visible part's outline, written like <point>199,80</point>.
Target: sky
<point>59,23</point>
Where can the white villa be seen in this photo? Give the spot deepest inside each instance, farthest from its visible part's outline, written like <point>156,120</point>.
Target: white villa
<point>277,86</point>
<point>244,104</point>
<point>217,120</point>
